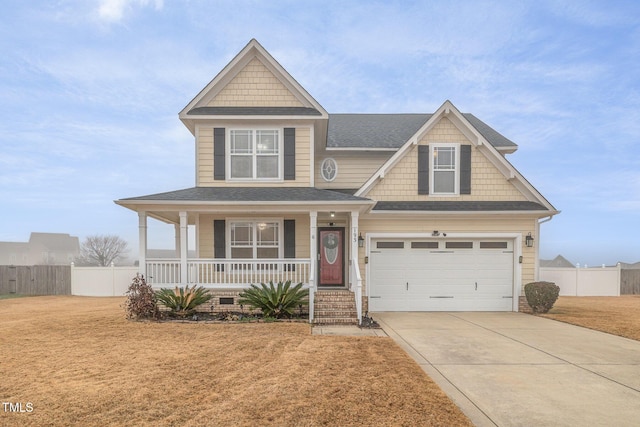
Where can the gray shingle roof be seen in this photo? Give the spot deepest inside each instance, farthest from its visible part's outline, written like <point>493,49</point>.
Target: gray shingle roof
<point>249,194</point>
<point>254,111</point>
<point>453,206</point>
<point>373,130</point>
<point>392,130</point>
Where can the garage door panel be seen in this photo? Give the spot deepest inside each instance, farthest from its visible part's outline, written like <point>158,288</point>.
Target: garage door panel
<point>466,276</point>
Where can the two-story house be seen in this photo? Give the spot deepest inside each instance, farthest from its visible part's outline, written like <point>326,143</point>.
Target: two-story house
<point>393,212</point>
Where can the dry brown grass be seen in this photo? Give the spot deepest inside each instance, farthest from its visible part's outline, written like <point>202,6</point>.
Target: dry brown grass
<point>615,315</point>
<point>79,362</point>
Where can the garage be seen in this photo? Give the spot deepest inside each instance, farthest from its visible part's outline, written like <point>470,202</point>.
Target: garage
<point>441,275</point>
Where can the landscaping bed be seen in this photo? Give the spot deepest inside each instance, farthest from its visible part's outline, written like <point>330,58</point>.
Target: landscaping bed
<point>78,361</point>
<point>615,315</point>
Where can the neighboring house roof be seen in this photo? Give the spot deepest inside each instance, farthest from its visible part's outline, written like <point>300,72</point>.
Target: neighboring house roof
<point>249,194</point>
<point>392,131</point>
<point>60,242</point>
<point>459,206</point>
<point>253,111</point>
<point>557,262</point>
<point>627,266</point>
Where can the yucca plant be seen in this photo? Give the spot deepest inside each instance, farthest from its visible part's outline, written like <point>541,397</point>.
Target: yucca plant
<point>183,301</point>
<point>277,301</point>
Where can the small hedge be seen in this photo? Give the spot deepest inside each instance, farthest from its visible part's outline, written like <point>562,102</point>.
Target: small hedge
<point>541,295</point>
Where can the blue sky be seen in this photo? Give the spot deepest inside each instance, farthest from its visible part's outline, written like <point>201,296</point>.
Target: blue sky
<point>90,93</point>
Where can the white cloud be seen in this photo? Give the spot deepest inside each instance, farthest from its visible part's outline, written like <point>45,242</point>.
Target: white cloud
<point>114,10</point>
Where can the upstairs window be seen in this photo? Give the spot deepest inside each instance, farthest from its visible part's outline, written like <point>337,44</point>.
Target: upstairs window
<point>254,154</point>
<point>444,169</point>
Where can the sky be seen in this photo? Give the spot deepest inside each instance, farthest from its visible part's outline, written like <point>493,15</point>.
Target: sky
<point>90,92</point>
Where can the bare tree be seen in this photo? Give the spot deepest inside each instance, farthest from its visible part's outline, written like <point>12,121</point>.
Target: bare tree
<point>101,250</point>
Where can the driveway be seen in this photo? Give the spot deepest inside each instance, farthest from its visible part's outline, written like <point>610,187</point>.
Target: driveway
<point>514,369</point>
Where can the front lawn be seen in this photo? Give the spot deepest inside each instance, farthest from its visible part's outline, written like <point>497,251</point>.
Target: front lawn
<point>615,315</point>
<point>77,361</point>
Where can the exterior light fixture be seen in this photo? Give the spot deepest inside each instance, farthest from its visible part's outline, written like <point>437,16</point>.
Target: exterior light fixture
<point>360,241</point>
<point>528,241</point>
<point>332,214</point>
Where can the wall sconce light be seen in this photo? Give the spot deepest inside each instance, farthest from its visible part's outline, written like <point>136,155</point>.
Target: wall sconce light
<point>528,241</point>
<point>435,233</point>
<point>332,214</point>
<point>360,241</point>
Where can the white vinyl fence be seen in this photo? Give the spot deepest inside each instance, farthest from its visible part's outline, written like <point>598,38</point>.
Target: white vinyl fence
<point>583,282</point>
<point>101,281</point>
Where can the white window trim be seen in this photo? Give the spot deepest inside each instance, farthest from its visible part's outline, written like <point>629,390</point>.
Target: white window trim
<point>335,175</point>
<point>227,155</point>
<point>456,173</point>
<point>255,222</point>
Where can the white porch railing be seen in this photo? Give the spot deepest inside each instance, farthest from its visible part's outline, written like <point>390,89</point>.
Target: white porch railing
<point>228,273</point>
<point>356,286</point>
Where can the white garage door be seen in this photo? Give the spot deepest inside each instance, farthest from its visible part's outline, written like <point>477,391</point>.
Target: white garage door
<point>441,275</point>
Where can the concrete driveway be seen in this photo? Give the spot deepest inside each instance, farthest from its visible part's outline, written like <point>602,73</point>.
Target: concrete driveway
<point>514,369</point>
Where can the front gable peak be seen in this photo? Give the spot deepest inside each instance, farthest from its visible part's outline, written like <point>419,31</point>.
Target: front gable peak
<point>253,83</point>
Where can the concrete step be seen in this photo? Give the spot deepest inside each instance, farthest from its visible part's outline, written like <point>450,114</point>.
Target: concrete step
<point>336,321</point>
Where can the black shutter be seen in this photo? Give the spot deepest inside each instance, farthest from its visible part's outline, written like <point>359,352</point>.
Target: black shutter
<point>219,240</point>
<point>218,153</point>
<point>465,169</point>
<point>423,169</point>
<point>289,153</point>
<point>290,242</point>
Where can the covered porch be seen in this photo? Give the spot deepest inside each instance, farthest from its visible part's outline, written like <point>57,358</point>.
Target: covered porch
<point>255,240</point>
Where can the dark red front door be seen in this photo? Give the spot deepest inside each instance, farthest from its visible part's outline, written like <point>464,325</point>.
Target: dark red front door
<point>331,251</point>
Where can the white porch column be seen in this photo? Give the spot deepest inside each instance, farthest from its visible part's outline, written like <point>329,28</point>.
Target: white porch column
<point>183,247</point>
<point>313,247</point>
<point>142,242</point>
<point>354,234</point>
<point>313,251</point>
<point>176,236</point>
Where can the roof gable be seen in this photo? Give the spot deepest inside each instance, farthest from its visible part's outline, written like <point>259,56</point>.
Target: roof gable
<point>253,79</point>
<point>461,125</point>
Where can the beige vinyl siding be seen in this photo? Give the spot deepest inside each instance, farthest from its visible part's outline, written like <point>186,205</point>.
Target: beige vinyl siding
<point>487,183</point>
<point>354,168</point>
<point>205,231</point>
<point>204,162</point>
<point>204,156</point>
<point>255,86</point>
<point>407,224</point>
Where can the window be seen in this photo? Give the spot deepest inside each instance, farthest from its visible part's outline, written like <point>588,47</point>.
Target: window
<point>444,170</point>
<point>390,245</point>
<point>329,169</point>
<point>254,154</point>
<point>255,239</point>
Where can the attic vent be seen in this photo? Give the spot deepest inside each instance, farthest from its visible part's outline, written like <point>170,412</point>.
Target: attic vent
<point>329,169</point>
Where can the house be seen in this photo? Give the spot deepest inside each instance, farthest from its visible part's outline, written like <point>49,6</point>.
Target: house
<point>41,249</point>
<point>557,262</point>
<point>387,212</point>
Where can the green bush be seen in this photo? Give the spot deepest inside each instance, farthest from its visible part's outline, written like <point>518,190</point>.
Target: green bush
<point>183,301</point>
<point>275,301</point>
<point>541,295</point>
<point>141,300</point>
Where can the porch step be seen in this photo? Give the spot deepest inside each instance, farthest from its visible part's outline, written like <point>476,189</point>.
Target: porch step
<point>335,307</point>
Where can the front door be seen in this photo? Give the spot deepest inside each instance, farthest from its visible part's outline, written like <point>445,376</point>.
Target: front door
<point>331,256</point>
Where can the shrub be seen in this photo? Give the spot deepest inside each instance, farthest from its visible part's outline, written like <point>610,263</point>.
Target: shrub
<point>141,300</point>
<point>541,295</point>
<point>183,301</point>
<point>275,301</point>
